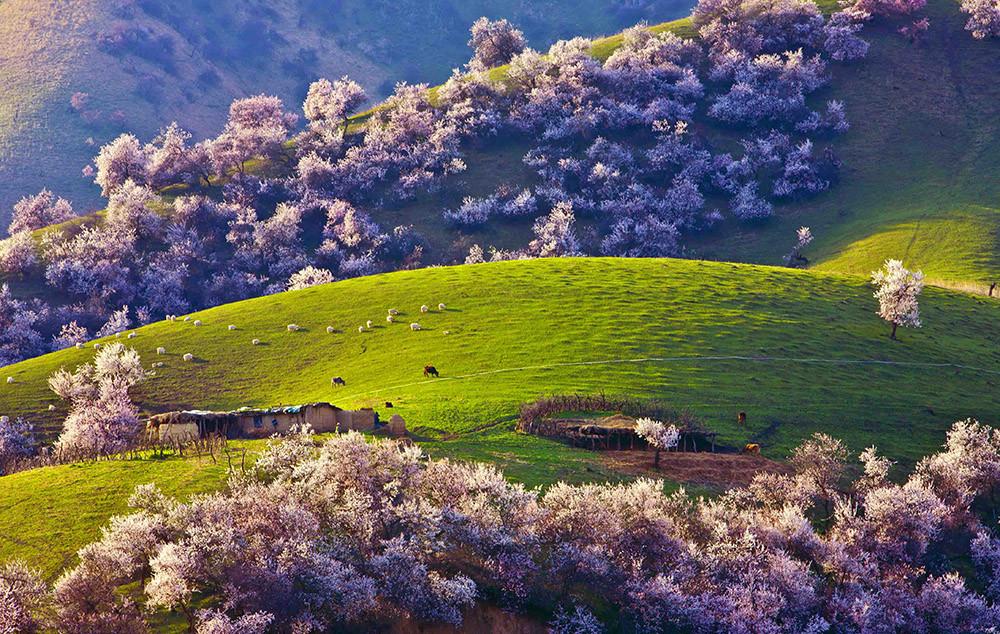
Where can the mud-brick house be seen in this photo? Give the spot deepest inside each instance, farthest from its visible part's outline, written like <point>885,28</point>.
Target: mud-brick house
<point>249,422</point>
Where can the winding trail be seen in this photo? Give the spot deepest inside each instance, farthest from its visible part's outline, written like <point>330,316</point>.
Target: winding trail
<point>695,358</point>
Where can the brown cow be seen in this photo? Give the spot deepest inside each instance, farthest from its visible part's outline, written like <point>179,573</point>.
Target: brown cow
<point>741,418</point>
<point>430,370</point>
<point>751,448</point>
<point>337,381</point>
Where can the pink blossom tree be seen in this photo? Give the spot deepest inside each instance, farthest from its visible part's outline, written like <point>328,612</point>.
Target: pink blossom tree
<point>897,293</point>
<point>41,210</point>
<point>494,43</point>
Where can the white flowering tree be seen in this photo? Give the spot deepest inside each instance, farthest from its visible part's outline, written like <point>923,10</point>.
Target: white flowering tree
<point>661,436</point>
<point>897,292</point>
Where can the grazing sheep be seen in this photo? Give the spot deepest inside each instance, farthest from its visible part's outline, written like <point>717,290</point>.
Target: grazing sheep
<point>414,326</point>
<point>80,346</point>
<point>232,327</point>
<point>118,335</point>
<point>361,328</point>
<point>424,308</point>
<point>161,351</point>
<point>132,335</point>
<point>446,332</point>
<point>255,342</point>
<point>369,324</point>
<point>329,329</point>
<point>10,379</point>
<point>440,306</point>
<point>389,319</point>
<point>393,311</point>
<point>430,370</point>
<point>52,408</point>
<point>293,327</point>
<point>337,382</point>
<point>189,357</point>
<point>187,319</point>
<point>97,346</point>
<point>197,322</point>
<point>158,364</point>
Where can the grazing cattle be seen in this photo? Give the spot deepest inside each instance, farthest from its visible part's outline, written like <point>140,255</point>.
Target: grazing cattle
<point>741,418</point>
<point>388,404</point>
<point>751,448</point>
<point>430,370</point>
<point>337,381</point>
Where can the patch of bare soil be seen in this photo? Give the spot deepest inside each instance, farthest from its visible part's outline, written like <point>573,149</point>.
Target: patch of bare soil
<point>724,470</point>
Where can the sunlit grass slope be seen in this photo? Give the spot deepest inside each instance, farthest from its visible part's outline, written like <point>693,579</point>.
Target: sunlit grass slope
<point>513,324</point>
<point>921,178</point>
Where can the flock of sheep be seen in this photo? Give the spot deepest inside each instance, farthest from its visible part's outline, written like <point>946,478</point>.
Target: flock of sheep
<point>367,326</point>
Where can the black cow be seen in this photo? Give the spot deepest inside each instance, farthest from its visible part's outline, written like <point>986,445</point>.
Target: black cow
<point>337,381</point>
<point>430,370</point>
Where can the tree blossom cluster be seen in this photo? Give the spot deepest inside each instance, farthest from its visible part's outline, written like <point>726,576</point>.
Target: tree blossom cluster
<point>897,289</point>
<point>984,18</point>
<point>600,187</point>
<point>317,538</point>
<point>103,419</point>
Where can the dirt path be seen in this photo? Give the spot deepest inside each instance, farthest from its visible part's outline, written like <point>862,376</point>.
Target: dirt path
<point>724,470</point>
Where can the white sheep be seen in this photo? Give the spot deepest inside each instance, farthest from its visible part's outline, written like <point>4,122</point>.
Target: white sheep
<point>197,322</point>
<point>255,342</point>
<point>424,308</point>
<point>446,332</point>
<point>329,329</point>
<point>52,408</point>
<point>187,319</point>
<point>97,346</point>
<point>414,326</point>
<point>118,335</point>
<point>189,357</point>
<point>361,328</point>
<point>161,351</point>
<point>440,306</point>
<point>393,311</point>
<point>158,364</point>
<point>132,335</point>
<point>80,346</point>
<point>293,327</point>
<point>368,324</point>
<point>389,319</point>
<point>10,379</point>
<point>232,327</point>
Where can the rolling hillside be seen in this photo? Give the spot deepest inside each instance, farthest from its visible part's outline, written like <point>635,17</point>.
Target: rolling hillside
<point>528,328</point>
<point>643,328</point>
<point>639,327</point>
<point>145,64</point>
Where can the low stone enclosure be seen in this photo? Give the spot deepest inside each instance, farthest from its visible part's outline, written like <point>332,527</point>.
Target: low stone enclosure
<point>571,418</point>
<point>247,422</point>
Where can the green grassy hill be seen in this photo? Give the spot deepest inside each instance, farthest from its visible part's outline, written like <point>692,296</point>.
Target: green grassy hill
<point>519,329</point>
<point>197,56</point>
<point>642,328</point>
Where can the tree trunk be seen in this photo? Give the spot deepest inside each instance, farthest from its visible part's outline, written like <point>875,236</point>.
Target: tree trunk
<point>656,460</point>
<point>892,335</point>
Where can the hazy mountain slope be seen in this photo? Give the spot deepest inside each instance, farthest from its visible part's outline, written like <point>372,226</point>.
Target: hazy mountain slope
<point>158,61</point>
